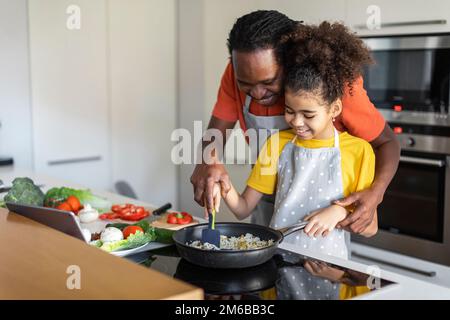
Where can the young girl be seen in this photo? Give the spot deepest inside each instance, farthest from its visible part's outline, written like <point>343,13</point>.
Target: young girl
<point>312,164</point>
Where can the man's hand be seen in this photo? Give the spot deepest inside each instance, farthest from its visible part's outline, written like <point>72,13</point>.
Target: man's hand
<point>204,178</point>
<point>365,203</point>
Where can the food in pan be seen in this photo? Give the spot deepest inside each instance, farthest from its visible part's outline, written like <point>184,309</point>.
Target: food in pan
<point>243,242</point>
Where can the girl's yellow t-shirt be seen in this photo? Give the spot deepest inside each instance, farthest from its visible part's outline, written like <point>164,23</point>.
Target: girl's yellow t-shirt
<point>357,161</point>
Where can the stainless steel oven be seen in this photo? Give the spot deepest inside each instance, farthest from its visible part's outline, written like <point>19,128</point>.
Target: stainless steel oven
<point>410,85</point>
<point>411,73</point>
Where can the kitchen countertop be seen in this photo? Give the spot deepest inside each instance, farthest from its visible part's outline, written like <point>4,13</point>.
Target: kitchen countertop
<point>36,259</point>
<point>403,288</point>
<point>39,262</point>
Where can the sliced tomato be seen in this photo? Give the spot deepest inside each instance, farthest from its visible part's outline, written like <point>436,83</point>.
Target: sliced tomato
<point>131,230</point>
<point>109,216</point>
<point>134,214</point>
<point>135,217</point>
<point>117,207</point>
<point>129,212</point>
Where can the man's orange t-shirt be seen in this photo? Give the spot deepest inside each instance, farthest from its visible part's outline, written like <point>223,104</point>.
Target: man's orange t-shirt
<point>359,116</point>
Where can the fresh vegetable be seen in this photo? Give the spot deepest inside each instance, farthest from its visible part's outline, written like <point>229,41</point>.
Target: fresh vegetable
<point>179,218</point>
<point>111,234</point>
<point>161,235</point>
<point>24,191</point>
<point>164,235</point>
<point>172,219</point>
<point>88,214</point>
<point>133,241</point>
<point>71,204</point>
<point>127,212</point>
<point>131,230</point>
<point>56,196</point>
<point>74,203</point>
<point>109,216</point>
<point>64,206</point>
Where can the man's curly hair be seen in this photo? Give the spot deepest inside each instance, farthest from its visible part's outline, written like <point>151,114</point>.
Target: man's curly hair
<point>324,59</point>
<point>261,29</point>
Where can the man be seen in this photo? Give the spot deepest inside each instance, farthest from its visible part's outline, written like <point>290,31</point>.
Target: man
<point>251,92</point>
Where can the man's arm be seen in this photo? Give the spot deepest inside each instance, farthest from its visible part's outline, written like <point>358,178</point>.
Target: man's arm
<point>206,175</point>
<point>387,154</point>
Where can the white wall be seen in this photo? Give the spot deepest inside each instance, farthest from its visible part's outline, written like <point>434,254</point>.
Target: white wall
<point>15,111</point>
<point>143,66</point>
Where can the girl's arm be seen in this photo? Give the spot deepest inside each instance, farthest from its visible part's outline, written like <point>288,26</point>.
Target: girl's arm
<point>324,221</point>
<point>242,205</point>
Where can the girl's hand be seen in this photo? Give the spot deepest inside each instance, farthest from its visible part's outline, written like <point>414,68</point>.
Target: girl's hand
<point>323,270</point>
<point>322,222</point>
<point>217,192</point>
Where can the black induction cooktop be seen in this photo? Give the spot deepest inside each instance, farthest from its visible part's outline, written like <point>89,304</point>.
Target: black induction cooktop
<point>287,276</point>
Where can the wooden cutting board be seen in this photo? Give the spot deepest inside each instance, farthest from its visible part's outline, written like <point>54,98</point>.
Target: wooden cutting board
<point>161,222</point>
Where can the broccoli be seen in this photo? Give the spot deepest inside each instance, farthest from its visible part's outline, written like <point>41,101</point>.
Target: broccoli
<point>24,191</point>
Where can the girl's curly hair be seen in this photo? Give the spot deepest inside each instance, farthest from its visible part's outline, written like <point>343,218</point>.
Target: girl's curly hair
<point>324,59</point>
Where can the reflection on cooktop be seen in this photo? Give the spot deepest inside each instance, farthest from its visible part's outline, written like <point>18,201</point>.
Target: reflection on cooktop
<point>286,276</point>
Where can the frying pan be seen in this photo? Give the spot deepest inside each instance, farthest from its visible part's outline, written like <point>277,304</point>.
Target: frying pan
<point>226,259</point>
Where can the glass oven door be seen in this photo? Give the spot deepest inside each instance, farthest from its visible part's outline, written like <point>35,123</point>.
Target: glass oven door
<point>412,72</point>
<point>414,202</point>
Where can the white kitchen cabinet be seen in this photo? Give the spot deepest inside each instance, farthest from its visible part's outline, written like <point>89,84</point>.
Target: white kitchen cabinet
<point>400,16</point>
<point>70,91</point>
<point>104,94</point>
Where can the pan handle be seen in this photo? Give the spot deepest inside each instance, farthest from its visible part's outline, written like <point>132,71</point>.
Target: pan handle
<point>291,229</point>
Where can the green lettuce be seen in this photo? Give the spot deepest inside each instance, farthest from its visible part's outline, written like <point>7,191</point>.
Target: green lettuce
<point>133,241</point>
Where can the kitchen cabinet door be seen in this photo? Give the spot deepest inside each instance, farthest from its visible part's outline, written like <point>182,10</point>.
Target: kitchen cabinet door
<point>400,16</point>
<point>68,56</point>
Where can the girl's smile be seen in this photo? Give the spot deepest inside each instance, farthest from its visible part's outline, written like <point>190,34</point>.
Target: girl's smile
<point>309,116</point>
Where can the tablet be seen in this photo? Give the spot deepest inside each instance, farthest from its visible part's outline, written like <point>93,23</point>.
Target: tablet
<point>63,221</point>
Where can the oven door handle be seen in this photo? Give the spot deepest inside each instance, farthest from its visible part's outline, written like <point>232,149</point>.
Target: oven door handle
<point>429,162</point>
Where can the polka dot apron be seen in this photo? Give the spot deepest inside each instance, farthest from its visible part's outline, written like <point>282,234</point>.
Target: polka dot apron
<point>308,180</point>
